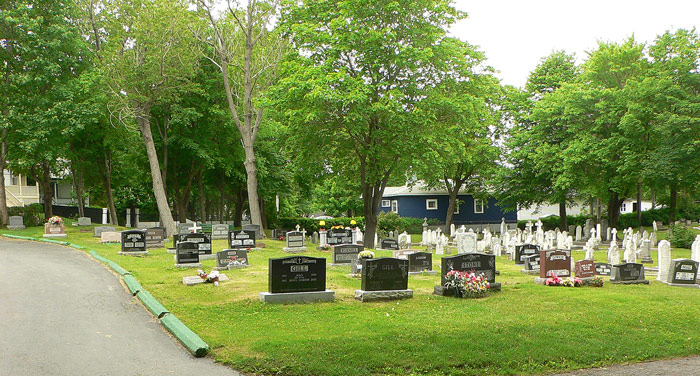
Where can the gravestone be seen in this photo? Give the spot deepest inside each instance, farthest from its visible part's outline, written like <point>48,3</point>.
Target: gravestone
<point>98,230</point>
<point>203,244</point>
<point>219,231</point>
<point>187,255</point>
<point>134,243</point>
<point>197,280</point>
<point>403,253</point>
<point>231,259</point>
<point>84,221</point>
<point>185,228</point>
<point>584,269</point>
<point>602,268</point>
<point>628,273</point>
<point>384,278</point>
<point>241,239</point>
<point>55,231</point>
<point>155,237</point>
<point>420,262</point>
<point>554,262</point>
<point>682,272</point>
<point>16,222</point>
<point>389,244</point>
<point>525,250</point>
<point>468,262</point>
<point>532,264</point>
<point>664,260</point>
<point>111,237</point>
<point>255,229</point>
<point>344,254</point>
<point>296,279</point>
<point>339,236</point>
<point>295,242</point>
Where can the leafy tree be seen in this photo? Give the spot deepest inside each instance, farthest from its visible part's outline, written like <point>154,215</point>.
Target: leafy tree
<point>350,91</point>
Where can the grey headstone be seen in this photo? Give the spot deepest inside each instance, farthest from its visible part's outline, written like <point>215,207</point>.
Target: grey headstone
<point>219,231</point>
<point>255,228</point>
<point>16,223</point>
<point>84,221</point>
<point>100,229</point>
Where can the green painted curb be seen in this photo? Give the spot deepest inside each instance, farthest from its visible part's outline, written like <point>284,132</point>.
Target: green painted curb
<point>189,339</point>
<point>117,268</point>
<point>76,246</point>
<point>133,285</point>
<point>152,304</point>
<point>18,237</point>
<point>53,241</point>
<point>98,257</point>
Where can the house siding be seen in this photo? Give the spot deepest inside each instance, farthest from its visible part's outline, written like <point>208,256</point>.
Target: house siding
<point>415,206</point>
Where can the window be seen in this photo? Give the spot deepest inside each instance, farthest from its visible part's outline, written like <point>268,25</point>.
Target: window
<point>623,208</point>
<point>14,180</point>
<point>386,203</point>
<point>478,206</point>
<point>431,204</point>
<point>456,208</point>
<point>395,206</point>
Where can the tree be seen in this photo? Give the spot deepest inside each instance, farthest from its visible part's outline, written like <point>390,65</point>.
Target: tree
<point>350,90</point>
<point>149,59</point>
<point>246,33</point>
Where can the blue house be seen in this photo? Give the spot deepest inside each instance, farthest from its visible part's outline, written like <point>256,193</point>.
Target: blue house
<point>421,202</point>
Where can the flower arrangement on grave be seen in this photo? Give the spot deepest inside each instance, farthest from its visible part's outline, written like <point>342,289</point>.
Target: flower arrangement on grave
<point>596,281</point>
<point>55,220</point>
<point>326,248</point>
<point>353,222</point>
<point>337,227</point>
<point>212,277</point>
<point>282,238</point>
<point>467,284</point>
<point>365,255</point>
<point>232,262</point>
<point>569,282</point>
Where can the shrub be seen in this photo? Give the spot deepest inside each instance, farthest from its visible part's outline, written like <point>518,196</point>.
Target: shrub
<point>552,222</point>
<point>33,214</point>
<point>681,236</point>
<point>390,221</point>
<point>311,225</point>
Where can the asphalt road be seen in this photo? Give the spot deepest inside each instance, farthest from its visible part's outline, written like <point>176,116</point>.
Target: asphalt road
<point>63,313</point>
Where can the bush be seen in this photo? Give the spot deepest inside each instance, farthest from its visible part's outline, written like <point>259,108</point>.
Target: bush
<point>390,221</point>
<point>33,214</point>
<point>312,225</point>
<point>552,222</point>
<point>681,236</point>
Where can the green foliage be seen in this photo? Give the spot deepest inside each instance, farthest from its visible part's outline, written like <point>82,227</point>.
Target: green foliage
<point>33,214</point>
<point>390,221</point>
<point>312,225</point>
<point>552,222</point>
<point>681,236</point>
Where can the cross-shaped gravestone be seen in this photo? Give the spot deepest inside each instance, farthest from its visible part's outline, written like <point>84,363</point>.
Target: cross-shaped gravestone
<point>195,228</point>
<point>593,233</point>
<point>539,225</point>
<point>298,227</point>
<point>614,234</point>
<point>529,227</point>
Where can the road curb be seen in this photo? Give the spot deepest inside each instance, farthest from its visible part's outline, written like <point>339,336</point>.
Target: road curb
<point>117,268</point>
<point>152,304</point>
<point>53,241</point>
<point>189,339</point>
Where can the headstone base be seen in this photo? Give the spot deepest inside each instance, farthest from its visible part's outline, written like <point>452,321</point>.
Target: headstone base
<point>697,286</point>
<point>297,297</point>
<point>155,245</point>
<point>638,282</point>
<point>294,249</point>
<point>444,291</point>
<point>16,227</point>
<point>426,272</point>
<point>172,251</point>
<point>85,230</point>
<point>55,235</point>
<point>647,260</point>
<point>343,264</point>
<point>374,296</point>
<point>530,272</point>
<point>135,253</point>
<point>191,265</point>
<point>197,280</point>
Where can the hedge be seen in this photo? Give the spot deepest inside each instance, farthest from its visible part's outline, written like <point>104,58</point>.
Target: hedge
<point>385,222</point>
<point>311,224</point>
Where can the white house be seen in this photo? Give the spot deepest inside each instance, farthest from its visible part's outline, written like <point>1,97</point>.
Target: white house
<point>546,210</point>
<point>21,190</point>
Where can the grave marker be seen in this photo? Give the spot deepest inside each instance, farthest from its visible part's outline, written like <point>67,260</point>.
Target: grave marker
<point>384,278</point>
<point>419,262</point>
<point>682,272</point>
<point>232,258</point>
<point>628,273</point>
<point>389,244</point>
<point>525,250</point>
<point>602,268</point>
<point>344,254</point>
<point>241,239</point>
<point>219,231</point>
<point>98,230</point>
<point>16,222</point>
<point>187,255</point>
<point>296,279</point>
<point>468,262</point>
<point>254,228</point>
<point>584,269</point>
<point>555,262</point>
<point>155,237</point>
<point>296,243</point>
<point>133,242</point>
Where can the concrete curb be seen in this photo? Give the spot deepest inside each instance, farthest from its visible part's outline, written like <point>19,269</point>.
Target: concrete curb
<point>152,304</point>
<point>133,285</point>
<point>189,339</point>
<point>192,342</point>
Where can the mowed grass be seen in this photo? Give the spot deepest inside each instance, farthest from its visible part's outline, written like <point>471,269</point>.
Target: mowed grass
<point>524,329</point>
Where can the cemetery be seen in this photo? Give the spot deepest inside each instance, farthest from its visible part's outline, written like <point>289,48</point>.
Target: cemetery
<point>326,187</point>
<point>271,290</point>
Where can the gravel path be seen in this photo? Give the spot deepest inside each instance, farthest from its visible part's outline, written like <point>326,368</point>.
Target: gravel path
<point>63,313</point>
<point>684,366</point>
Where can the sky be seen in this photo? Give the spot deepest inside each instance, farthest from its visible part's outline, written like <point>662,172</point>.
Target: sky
<point>516,35</point>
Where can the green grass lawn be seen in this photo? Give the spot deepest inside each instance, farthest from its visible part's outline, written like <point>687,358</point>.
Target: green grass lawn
<point>524,329</point>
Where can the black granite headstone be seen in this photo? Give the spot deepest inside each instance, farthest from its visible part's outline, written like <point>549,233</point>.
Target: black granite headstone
<point>627,272</point>
<point>532,262</point>
<point>133,241</point>
<point>384,273</point>
<point>295,239</point>
<point>297,274</point>
<point>420,261</point>
<point>523,250</point>
<point>468,262</point>
<point>187,252</point>
<point>345,253</point>
<point>602,268</point>
<point>223,258</point>
<point>203,240</point>
<point>339,236</point>
<point>683,271</point>
<point>254,228</point>
<point>241,239</point>
<point>391,244</point>
<point>155,235</point>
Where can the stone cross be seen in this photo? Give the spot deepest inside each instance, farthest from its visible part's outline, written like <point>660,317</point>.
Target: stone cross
<point>298,227</point>
<point>593,233</point>
<point>539,225</point>
<point>613,232</point>
<point>630,254</point>
<point>528,226</point>
<point>195,228</point>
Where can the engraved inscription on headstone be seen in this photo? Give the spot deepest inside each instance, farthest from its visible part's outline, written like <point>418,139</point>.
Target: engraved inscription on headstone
<point>241,239</point>
<point>133,241</point>
<point>339,236</point>
<point>345,253</point>
<point>602,268</point>
<point>554,262</point>
<point>203,241</point>
<point>187,252</point>
<point>389,244</point>
<point>231,257</point>
<point>384,273</point>
<point>523,250</point>
<point>297,274</point>
<point>420,261</point>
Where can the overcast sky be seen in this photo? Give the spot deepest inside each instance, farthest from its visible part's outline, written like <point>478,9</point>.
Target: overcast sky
<point>515,35</point>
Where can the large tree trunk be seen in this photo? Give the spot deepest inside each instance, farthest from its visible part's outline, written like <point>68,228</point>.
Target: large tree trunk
<point>371,197</point>
<point>202,206</point>
<point>46,188</point>
<point>252,183</point>
<point>158,187</point>
<point>673,202</point>
<point>563,225</point>
<point>452,203</point>
<point>4,218</point>
<point>263,214</point>
<point>107,178</point>
<point>614,208</point>
<point>77,185</point>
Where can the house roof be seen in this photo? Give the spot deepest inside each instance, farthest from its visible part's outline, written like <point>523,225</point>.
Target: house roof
<point>418,189</point>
